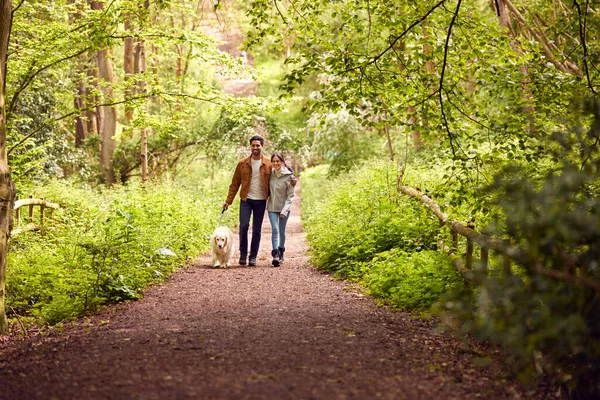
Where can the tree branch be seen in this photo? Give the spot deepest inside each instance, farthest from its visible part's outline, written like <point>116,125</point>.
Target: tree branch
<point>583,43</point>
<point>110,104</point>
<point>280,13</point>
<point>397,38</point>
<point>14,10</point>
<point>441,87</point>
<point>29,79</point>
<point>541,39</point>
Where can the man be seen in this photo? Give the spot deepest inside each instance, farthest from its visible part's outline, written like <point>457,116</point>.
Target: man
<point>252,173</point>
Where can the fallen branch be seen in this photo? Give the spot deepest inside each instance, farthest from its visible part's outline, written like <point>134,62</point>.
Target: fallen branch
<point>498,245</point>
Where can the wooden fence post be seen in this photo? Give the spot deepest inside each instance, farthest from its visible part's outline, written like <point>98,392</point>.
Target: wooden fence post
<point>484,260</point>
<point>42,206</point>
<point>17,212</point>
<point>42,212</point>
<point>31,211</point>
<point>469,257</point>
<point>455,241</point>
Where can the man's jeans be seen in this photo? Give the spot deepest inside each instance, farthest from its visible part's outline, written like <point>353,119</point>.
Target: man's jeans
<point>277,229</point>
<point>247,208</point>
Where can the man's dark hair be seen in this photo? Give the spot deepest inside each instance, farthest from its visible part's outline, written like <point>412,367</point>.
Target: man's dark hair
<point>259,138</point>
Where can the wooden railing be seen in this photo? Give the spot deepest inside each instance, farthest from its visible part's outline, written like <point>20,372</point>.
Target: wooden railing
<point>509,253</point>
<point>31,203</point>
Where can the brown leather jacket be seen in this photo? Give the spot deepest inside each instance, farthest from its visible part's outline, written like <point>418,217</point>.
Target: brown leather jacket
<point>243,175</point>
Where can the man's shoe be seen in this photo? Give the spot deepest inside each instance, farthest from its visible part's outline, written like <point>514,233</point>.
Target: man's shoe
<point>275,254</point>
<point>242,260</point>
<point>252,262</point>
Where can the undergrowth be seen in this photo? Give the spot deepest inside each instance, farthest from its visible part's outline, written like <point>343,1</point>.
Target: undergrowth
<point>105,246</point>
<point>361,228</point>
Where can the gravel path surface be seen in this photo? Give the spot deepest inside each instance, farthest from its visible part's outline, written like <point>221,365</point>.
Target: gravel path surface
<point>250,333</point>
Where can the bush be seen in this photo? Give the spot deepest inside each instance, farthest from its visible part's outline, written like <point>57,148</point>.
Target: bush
<point>546,319</point>
<point>411,281</point>
<point>106,246</point>
<point>361,228</point>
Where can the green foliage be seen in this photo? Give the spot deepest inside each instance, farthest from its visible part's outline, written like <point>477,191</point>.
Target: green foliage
<point>52,62</point>
<point>359,227</point>
<point>548,320</point>
<point>382,62</point>
<point>340,141</point>
<point>411,280</point>
<point>106,246</point>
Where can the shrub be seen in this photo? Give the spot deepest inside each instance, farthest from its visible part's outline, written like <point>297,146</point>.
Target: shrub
<point>543,316</point>
<point>106,246</point>
<point>411,281</point>
<point>361,228</point>
<point>362,216</point>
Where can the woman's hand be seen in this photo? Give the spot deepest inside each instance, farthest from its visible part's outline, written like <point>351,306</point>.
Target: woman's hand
<point>282,215</point>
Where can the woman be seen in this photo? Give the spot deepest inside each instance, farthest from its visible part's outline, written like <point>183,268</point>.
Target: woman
<point>279,204</point>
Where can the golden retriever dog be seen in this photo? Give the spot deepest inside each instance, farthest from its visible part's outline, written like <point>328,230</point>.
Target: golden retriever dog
<point>222,247</point>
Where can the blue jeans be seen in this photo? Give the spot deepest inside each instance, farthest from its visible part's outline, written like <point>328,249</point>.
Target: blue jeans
<point>278,229</point>
<point>248,207</point>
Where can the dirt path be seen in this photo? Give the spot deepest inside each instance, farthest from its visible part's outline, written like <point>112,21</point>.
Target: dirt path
<point>249,333</point>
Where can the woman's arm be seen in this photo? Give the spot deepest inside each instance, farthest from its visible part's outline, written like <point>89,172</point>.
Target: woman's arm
<point>288,200</point>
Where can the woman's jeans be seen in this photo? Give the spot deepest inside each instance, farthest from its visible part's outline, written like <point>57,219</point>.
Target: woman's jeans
<point>278,229</point>
<point>247,208</point>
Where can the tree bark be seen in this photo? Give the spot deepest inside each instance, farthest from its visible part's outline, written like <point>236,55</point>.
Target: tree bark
<point>79,101</point>
<point>81,126</point>
<point>106,115</point>
<point>7,186</point>
<point>128,68</point>
<point>140,58</point>
<point>91,113</point>
<point>106,118</point>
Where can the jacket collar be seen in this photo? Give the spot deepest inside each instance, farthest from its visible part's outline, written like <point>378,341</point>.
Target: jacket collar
<point>247,159</point>
<point>284,171</point>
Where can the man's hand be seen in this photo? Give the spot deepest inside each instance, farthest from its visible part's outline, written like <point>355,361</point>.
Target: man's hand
<point>294,180</point>
<point>225,206</point>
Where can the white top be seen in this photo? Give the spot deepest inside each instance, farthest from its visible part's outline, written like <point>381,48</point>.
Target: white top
<point>257,191</point>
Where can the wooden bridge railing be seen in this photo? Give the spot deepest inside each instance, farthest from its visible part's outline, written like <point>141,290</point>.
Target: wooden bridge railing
<point>31,203</point>
<point>486,243</point>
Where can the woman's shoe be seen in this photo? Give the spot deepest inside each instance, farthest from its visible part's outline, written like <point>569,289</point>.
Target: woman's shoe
<point>275,254</point>
<point>281,251</point>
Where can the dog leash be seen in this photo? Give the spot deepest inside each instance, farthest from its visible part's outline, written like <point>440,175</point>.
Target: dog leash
<point>221,216</point>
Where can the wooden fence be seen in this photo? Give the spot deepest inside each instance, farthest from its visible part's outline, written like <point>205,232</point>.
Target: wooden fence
<point>509,253</point>
<point>31,203</point>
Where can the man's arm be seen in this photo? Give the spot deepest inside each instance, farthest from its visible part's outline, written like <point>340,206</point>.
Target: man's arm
<point>236,181</point>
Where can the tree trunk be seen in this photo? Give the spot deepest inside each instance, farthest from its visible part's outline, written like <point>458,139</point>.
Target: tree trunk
<point>128,69</point>
<point>81,127</point>
<point>503,16</point>
<point>7,186</point>
<point>80,102</point>
<point>144,154</point>
<point>91,114</point>
<point>107,117</point>
<point>140,62</point>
